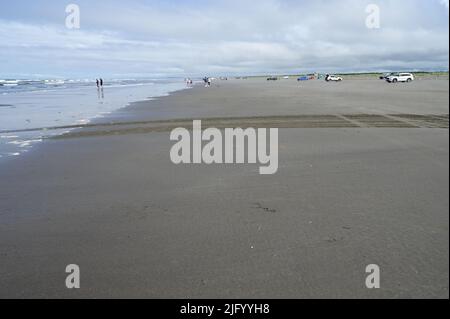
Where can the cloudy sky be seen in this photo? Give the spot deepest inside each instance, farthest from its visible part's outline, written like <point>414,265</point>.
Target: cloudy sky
<point>219,37</point>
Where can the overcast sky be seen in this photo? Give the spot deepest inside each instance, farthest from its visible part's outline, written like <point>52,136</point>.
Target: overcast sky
<point>121,38</point>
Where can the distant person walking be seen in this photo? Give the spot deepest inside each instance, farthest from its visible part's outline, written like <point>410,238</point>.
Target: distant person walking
<point>101,82</point>
<point>98,83</point>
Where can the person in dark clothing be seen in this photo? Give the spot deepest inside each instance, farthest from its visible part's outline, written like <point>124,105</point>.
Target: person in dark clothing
<point>101,82</point>
<point>98,83</point>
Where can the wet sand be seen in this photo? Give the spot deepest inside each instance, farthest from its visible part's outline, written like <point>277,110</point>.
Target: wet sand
<point>108,198</point>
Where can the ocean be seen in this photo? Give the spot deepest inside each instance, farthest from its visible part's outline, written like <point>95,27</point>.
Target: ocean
<point>28,108</point>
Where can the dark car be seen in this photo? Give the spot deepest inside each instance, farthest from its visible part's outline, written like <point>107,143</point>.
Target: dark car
<point>272,78</point>
<point>385,76</point>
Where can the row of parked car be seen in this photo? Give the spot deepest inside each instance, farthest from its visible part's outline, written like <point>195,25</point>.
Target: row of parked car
<point>328,78</point>
<point>389,77</point>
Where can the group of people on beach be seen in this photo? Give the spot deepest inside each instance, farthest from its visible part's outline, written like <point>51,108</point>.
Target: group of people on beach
<point>100,91</point>
<point>99,83</point>
<point>208,81</point>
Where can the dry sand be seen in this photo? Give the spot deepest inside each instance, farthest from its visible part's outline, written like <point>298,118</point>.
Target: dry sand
<point>139,226</point>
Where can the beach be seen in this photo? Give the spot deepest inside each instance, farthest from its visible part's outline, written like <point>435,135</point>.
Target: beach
<point>363,179</point>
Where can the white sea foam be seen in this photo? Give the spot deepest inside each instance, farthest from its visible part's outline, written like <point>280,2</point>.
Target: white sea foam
<point>84,121</point>
<point>25,143</point>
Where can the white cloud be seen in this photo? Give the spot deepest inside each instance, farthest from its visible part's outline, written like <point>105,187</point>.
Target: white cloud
<point>230,36</point>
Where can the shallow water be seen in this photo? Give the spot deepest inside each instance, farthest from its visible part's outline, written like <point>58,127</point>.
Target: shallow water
<point>25,114</point>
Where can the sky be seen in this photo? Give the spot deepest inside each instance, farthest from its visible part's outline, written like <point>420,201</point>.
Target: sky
<point>144,38</point>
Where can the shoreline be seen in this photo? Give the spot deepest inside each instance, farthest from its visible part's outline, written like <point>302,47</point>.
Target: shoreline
<point>142,113</point>
<point>92,108</point>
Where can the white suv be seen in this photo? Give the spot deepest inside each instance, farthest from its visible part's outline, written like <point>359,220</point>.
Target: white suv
<point>333,78</point>
<point>400,77</point>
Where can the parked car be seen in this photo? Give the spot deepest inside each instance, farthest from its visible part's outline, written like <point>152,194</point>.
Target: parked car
<point>272,78</point>
<point>400,77</point>
<point>333,78</point>
<point>303,78</point>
